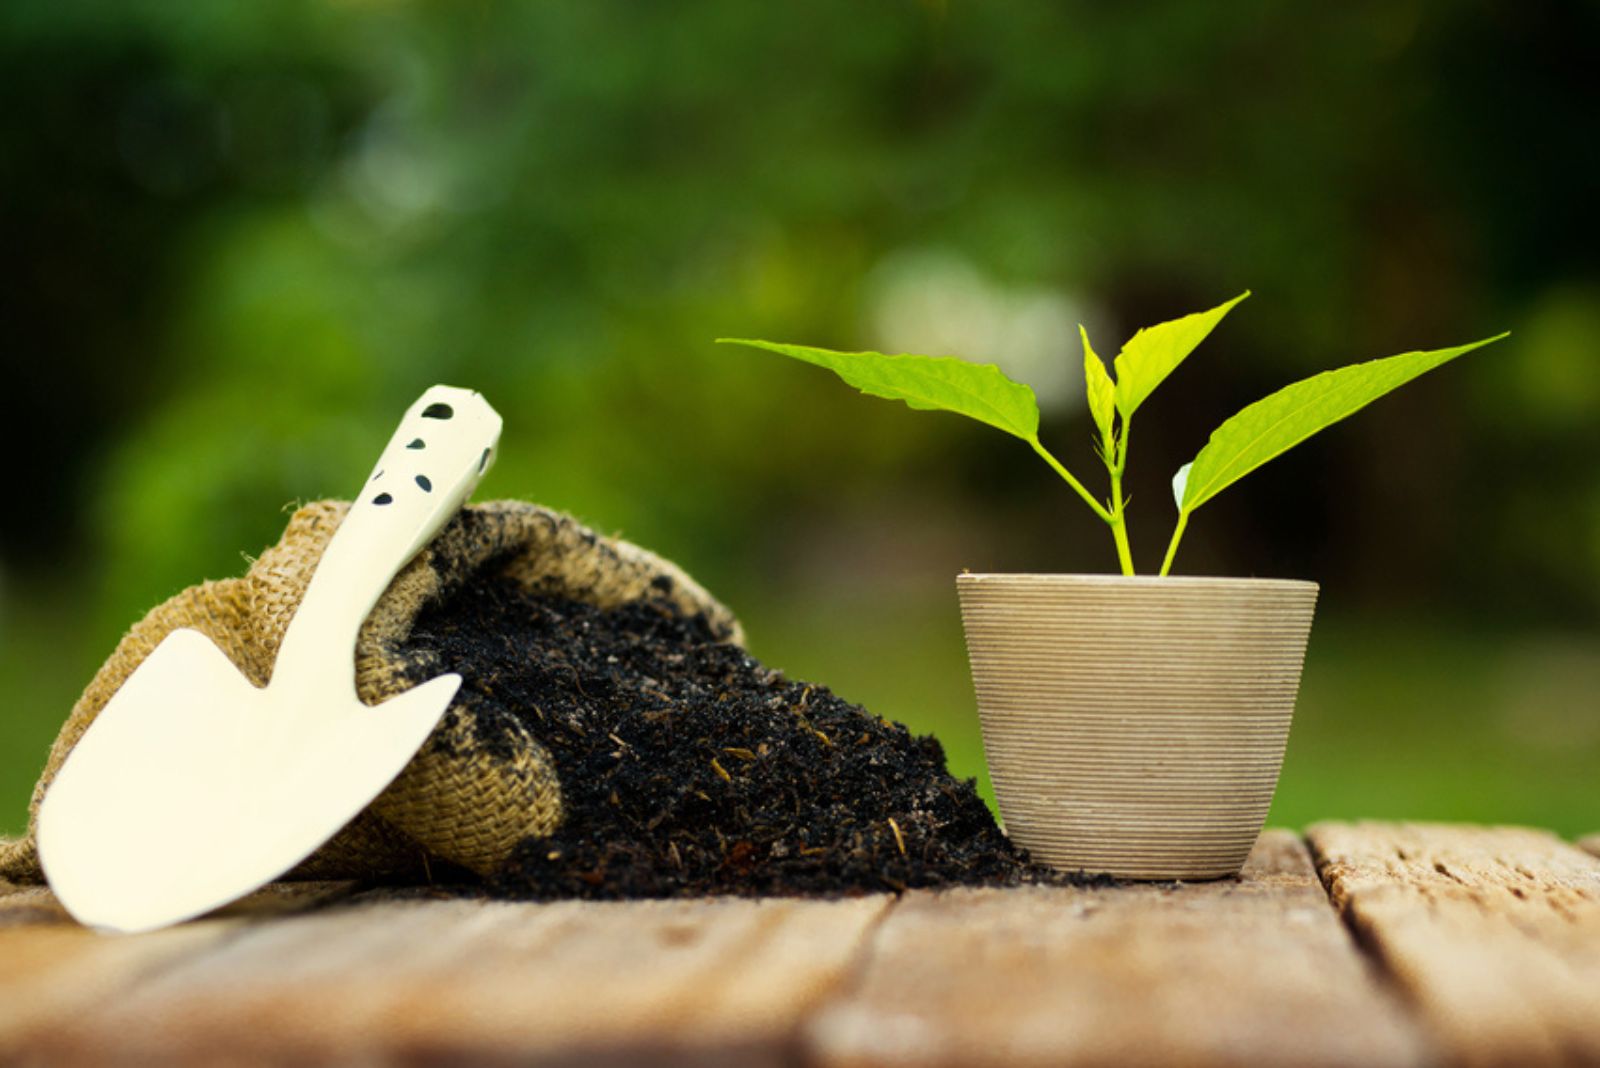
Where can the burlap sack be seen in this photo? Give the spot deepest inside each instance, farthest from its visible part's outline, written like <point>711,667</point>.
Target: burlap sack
<point>456,801</point>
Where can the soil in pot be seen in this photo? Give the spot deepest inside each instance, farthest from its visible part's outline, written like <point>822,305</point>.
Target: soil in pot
<point>688,767</point>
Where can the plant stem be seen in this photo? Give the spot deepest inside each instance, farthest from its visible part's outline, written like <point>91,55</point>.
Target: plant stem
<point>1088,498</point>
<point>1119,534</point>
<point>1117,459</point>
<point>1172,546</point>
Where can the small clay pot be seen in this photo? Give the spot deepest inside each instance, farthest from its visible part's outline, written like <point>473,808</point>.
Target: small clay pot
<point>1135,726</point>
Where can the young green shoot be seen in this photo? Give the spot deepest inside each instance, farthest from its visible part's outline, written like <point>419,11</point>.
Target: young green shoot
<point>1258,433</point>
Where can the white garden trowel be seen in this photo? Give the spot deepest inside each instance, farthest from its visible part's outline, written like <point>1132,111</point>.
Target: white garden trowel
<point>239,784</point>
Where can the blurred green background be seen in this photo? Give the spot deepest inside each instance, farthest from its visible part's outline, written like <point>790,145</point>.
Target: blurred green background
<point>242,237</point>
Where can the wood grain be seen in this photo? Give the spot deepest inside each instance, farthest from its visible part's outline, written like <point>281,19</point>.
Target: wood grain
<point>448,980</point>
<point>1254,971</point>
<point>51,969</point>
<point>1493,932</point>
<point>1473,946</point>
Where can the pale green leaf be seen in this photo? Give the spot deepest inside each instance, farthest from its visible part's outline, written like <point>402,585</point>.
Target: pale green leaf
<point>1281,421</point>
<point>1098,387</point>
<point>1155,352</point>
<point>930,383</point>
<point>1180,482</point>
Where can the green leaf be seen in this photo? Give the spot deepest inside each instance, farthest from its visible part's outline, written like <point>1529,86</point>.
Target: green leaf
<point>1283,420</point>
<point>1099,388</point>
<point>929,383</point>
<point>1180,482</point>
<point>1155,352</point>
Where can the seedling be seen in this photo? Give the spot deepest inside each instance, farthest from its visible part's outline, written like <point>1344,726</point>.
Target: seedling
<point>1243,443</point>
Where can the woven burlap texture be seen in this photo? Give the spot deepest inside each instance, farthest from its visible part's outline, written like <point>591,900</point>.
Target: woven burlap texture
<point>457,800</point>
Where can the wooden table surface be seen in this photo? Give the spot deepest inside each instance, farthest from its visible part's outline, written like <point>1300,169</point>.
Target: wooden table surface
<point>1356,944</point>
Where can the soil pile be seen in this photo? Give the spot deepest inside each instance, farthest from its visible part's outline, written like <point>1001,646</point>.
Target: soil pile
<point>687,767</point>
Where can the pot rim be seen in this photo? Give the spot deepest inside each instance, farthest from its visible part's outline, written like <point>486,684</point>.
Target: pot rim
<point>1016,578</point>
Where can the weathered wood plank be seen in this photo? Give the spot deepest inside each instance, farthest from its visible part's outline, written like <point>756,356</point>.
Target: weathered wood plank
<point>1494,932</point>
<point>1255,971</point>
<point>561,982</point>
<point>50,967</point>
<point>50,971</point>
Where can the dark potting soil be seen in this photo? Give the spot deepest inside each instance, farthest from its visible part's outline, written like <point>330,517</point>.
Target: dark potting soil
<point>688,767</point>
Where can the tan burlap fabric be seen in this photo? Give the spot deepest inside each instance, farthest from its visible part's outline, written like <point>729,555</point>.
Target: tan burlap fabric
<point>456,800</point>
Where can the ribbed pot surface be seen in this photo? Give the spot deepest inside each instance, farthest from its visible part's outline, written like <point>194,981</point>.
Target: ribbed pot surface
<point>1135,725</point>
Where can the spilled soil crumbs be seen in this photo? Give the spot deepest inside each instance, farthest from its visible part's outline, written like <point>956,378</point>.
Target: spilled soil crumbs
<point>687,767</point>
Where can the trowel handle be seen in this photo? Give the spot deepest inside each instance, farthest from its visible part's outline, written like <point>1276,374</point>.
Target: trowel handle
<point>444,445</point>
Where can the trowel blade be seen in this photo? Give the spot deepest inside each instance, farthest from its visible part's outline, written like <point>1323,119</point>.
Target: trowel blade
<point>195,787</point>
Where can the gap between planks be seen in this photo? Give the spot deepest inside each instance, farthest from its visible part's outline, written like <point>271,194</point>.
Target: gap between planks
<point>1492,933</point>
<point>1222,973</point>
<point>1256,971</point>
<point>690,981</point>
